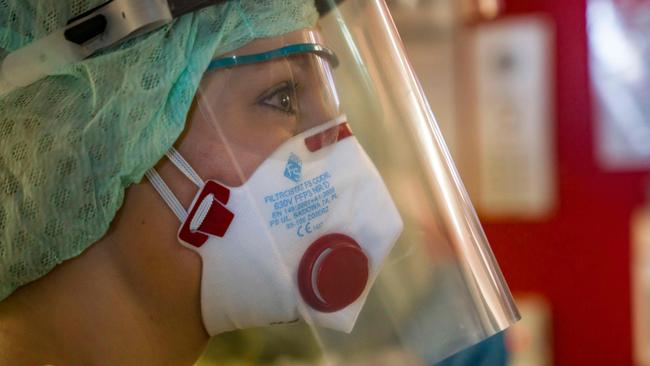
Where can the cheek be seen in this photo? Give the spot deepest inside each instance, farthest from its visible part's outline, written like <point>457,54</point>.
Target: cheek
<point>228,151</point>
<point>231,164</point>
<point>227,136</point>
<point>235,172</point>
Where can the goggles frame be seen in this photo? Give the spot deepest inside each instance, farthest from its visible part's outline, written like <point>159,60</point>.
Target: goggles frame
<point>292,49</point>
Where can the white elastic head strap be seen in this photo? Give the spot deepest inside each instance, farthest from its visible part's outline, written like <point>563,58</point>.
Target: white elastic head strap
<point>163,189</point>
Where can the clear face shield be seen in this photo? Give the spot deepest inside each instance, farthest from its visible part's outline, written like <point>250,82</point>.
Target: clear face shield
<point>328,205</point>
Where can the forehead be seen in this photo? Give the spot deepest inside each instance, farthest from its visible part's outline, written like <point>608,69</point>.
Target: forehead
<point>306,35</point>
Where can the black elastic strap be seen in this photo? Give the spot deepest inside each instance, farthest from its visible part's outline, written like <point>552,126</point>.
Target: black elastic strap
<point>88,12</point>
<point>86,30</point>
<point>181,7</point>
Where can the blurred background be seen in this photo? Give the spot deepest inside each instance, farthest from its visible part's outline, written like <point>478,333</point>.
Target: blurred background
<point>545,106</point>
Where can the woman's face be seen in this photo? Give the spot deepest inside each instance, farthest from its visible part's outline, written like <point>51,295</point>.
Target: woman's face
<point>242,114</point>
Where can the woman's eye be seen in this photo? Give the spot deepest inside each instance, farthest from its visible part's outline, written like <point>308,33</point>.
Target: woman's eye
<point>281,97</point>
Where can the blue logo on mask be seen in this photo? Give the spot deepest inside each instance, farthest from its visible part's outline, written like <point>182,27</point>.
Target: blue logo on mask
<point>293,170</point>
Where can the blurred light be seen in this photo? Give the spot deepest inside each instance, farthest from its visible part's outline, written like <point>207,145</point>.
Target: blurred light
<point>489,9</point>
<point>609,43</point>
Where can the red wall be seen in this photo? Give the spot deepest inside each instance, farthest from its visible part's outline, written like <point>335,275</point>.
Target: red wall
<point>579,258</point>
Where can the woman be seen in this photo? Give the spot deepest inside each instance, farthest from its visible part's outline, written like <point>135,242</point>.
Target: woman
<point>259,207</point>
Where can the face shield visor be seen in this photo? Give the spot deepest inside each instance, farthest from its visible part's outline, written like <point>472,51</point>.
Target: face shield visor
<point>327,203</point>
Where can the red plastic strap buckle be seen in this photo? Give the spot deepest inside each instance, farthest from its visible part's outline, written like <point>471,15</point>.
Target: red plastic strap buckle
<point>216,220</point>
<point>328,137</point>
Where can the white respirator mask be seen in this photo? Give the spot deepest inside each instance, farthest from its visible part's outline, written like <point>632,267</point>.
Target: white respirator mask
<point>303,238</point>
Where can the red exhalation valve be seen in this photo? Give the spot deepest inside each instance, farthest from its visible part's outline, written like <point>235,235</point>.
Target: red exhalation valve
<point>333,273</point>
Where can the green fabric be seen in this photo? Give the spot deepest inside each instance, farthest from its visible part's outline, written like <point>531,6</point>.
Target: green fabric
<point>71,143</point>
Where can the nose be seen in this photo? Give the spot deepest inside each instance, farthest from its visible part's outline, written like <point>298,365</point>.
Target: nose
<point>320,101</point>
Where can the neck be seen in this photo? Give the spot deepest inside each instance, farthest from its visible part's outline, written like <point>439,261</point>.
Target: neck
<point>101,308</point>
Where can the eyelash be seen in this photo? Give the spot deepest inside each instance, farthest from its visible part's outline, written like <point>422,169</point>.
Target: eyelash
<point>286,86</point>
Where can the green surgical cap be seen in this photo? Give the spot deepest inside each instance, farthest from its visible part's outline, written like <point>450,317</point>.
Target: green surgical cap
<point>71,143</point>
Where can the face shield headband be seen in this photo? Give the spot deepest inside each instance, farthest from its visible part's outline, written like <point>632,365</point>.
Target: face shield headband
<point>97,29</point>
<point>107,25</point>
